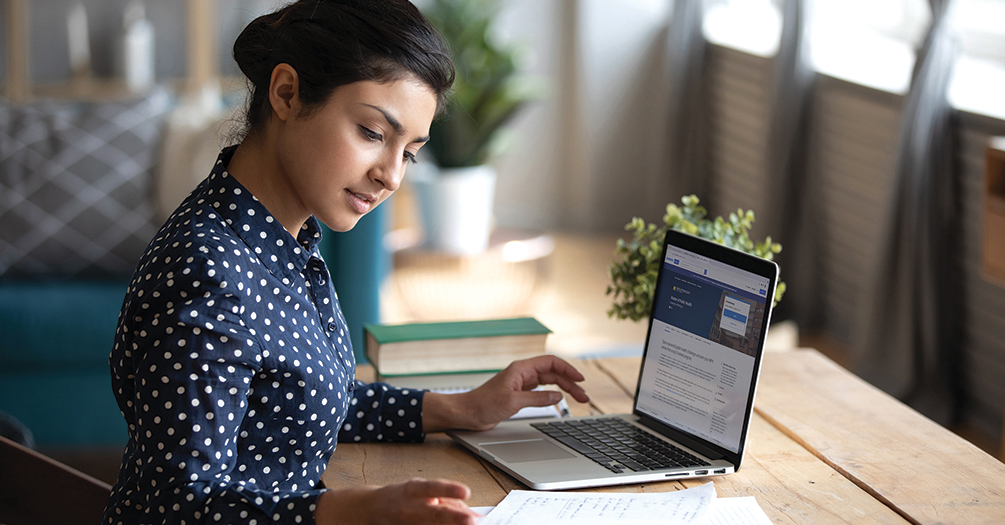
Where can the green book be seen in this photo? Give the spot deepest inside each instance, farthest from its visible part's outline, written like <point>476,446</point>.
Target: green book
<point>461,346</point>
<point>441,382</point>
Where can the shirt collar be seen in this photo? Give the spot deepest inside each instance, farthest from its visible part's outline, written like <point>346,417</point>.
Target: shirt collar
<point>283,255</point>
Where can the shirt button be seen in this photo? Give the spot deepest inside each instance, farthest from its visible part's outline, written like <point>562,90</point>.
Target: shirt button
<point>321,282</point>
<point>331,327</point>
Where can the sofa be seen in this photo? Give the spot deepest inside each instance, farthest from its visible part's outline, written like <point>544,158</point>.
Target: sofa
<point>83,188</point>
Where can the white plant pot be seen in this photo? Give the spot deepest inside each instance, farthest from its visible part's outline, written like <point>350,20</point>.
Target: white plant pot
<point>456,206</point>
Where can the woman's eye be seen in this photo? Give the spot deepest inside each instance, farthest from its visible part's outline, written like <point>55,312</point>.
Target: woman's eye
<point>371,134</point>
<point>410,157</point>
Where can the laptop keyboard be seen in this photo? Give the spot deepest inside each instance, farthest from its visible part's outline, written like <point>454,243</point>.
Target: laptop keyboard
<point>618,445</point>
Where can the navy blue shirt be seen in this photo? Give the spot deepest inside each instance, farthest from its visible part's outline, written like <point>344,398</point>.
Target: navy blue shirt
<point>233,368</point>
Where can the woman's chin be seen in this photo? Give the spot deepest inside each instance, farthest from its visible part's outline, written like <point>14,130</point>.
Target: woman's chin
<point>342,223</point>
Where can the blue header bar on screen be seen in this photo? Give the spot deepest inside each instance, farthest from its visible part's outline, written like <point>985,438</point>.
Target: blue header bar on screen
<point>703,269</point>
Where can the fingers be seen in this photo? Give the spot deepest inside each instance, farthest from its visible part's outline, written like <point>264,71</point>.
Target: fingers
<point>565,384</point>
<point>508,392</point>
<point>453,516</point>
<point>442,501</point>
<point>576,391</point>
<point>537,398</point>
<point>553,364</point>
<point>417,502</point>
<point>552,370</point>
<point>437,488</point>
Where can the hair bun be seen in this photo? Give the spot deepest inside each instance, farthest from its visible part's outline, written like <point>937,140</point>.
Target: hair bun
<point>254,45</point>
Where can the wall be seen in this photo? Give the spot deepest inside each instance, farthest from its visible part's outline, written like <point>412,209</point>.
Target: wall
<point>587,157</point>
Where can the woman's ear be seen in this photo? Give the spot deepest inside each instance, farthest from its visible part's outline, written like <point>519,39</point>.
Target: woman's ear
<point>283,91</point>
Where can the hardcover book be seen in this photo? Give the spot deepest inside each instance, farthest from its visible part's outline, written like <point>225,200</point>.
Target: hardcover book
<point>462,346</point>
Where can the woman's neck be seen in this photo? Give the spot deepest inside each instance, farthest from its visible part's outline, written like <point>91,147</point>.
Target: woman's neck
<point>255,165</point>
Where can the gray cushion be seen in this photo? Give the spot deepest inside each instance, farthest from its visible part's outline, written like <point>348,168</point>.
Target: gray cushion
<point>75,185</point>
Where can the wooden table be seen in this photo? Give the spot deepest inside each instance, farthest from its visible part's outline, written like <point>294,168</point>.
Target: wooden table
<point>824,447</point>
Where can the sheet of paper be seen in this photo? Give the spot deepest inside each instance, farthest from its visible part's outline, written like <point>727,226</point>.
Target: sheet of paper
<point>736,511</point>
<point>484,511</point>
<point>599,508</point>
<point>722,511</point>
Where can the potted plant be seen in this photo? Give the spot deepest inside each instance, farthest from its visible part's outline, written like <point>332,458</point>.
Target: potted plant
<point>455,196</point>
<point>636,265</point>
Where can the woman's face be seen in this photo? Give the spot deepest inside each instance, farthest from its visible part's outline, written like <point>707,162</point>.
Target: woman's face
<point>345,158</point>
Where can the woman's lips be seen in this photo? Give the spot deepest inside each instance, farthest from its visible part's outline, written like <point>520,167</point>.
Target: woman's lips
<point>360,202</point>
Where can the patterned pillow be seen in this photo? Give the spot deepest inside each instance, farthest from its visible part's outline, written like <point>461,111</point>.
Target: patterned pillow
<point>75,185</point>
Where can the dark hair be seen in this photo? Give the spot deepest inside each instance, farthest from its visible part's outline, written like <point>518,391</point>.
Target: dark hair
<point>331,43</point>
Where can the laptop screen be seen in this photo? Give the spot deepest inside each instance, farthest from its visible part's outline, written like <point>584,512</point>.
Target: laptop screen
<point>703,347</point>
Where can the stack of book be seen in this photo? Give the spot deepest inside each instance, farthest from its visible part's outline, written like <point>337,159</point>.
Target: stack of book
<point>453,355</point>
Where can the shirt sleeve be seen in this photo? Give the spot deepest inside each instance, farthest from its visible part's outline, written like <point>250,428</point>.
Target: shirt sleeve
<point>191,389</point>
<point>379,412</point>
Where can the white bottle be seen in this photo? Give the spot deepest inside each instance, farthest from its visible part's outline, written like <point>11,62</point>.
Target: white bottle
<point>79,41</point>
<point>137,47</point>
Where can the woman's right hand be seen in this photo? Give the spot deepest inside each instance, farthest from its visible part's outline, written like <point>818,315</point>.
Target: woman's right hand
<point>418,501</point>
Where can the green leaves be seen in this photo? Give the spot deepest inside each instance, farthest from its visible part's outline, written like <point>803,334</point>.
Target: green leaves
<point>636,263</point>
<point>487,90</point>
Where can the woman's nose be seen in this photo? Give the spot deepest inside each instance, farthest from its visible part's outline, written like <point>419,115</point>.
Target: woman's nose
<point>389,173</point>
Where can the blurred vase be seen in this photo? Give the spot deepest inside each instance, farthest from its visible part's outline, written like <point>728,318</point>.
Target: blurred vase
<point>78,38</point>
<point>137,53</point>
<point>455,205</point>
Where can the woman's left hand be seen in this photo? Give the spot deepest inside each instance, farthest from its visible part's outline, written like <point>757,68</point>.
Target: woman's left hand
<point>503,395</point>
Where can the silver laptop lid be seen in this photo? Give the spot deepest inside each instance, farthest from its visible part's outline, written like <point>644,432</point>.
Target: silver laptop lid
<point>704,346</point>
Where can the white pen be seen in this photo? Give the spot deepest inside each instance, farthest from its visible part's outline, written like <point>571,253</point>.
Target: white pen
<point>563,408</point>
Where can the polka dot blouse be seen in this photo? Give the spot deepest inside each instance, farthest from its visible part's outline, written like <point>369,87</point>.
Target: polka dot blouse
<point>233,368</point>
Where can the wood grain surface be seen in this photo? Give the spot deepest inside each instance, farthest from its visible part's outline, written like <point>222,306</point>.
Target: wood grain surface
<point>823,447</point>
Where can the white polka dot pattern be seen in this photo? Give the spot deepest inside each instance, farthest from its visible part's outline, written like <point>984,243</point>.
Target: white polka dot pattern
<point>233,368</point>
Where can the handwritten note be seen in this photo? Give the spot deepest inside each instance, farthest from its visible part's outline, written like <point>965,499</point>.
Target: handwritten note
<point>566,508</point>
<point>737,511</point>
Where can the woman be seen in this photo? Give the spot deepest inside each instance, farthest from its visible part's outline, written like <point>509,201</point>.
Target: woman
<point>232,363</point>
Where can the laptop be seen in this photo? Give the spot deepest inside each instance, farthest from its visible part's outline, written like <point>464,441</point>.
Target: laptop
<point>695,393</point>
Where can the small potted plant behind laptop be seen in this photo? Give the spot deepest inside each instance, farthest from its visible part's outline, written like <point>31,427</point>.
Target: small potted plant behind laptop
<point>636,265</point>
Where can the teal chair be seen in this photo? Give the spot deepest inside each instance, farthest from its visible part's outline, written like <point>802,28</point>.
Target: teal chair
<point>55,336</point>
<point>358,264</point>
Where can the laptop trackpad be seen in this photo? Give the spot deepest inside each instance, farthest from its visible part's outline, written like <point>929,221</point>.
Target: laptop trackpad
<point>527,450</point>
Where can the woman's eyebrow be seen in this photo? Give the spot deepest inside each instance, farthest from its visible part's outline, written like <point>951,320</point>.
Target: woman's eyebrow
<point>398,128</point>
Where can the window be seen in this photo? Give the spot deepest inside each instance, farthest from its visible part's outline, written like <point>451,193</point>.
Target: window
<point>754,26</point>
<point>979,79</point>
<point>869,42</point>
